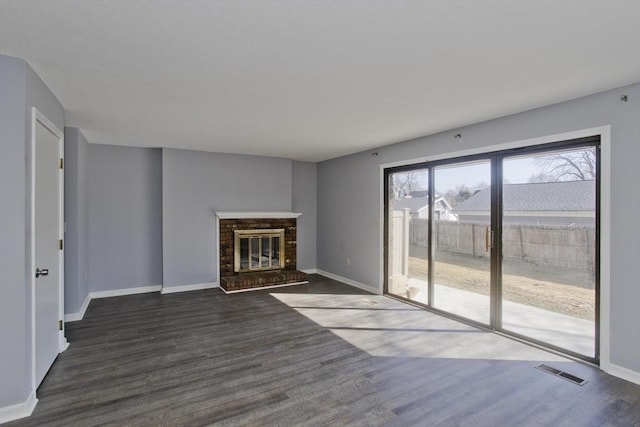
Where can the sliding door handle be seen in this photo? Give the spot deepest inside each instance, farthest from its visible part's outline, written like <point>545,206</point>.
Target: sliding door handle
<point>488,238</point>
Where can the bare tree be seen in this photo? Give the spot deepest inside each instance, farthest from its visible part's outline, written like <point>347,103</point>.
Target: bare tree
<point>568,166</point>
<point>404,183</point>
<point>462,192</point>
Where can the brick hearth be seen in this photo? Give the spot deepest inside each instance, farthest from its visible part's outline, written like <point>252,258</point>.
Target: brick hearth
<point>263,279</point>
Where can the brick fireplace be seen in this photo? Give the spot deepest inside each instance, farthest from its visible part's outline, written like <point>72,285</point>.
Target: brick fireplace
<point>266,262</point>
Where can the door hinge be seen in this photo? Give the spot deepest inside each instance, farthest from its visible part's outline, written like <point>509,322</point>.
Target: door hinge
<point>60,324</point>
<point>61,163</point>
<point>61,244</point>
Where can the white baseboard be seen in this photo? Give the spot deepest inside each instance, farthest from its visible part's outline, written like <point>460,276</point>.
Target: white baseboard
<point>21,410</point>
<point>310,271</point>
<point>263,287</point>
<point>74,317</point>
<point>620,372</point>
<point>347,281</point>
<point>126,291</point>
<point>185,288</point>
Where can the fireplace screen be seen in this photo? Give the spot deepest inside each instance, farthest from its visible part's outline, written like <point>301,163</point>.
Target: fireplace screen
<point>258,250</point>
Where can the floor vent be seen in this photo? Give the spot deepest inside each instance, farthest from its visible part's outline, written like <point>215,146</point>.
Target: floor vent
<point>564,375</point>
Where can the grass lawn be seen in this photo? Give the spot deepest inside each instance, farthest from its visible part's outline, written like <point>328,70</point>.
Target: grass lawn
<point>559,290</point>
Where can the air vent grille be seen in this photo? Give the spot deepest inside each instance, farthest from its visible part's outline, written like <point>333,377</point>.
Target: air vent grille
<point>564,375</point>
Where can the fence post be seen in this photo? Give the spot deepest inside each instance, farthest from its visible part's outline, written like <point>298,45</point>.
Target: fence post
<point>399,252</point>
<point>405,238</point>
<point>473,239</point>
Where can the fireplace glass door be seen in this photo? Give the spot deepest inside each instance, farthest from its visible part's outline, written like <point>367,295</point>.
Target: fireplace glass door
<point>258,250</point>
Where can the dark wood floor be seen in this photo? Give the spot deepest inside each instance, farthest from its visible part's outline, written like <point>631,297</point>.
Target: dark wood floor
<point>317,354</point>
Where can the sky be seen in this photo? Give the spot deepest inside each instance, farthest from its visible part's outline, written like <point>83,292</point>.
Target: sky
<point>515,171</point>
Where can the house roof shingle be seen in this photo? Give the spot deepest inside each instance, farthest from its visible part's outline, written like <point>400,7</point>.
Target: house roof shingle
<point>564,196</point>
<point>412,203</point>
<point>415,204</point>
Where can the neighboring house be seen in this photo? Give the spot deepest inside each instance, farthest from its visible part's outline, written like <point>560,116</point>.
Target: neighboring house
<point>545,203</point>
<point>419,207</point>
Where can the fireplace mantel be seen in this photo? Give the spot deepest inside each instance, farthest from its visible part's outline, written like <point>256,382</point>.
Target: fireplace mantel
<point>244,215</point>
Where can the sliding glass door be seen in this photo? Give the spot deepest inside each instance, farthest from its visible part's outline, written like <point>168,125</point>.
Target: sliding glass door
<point>549,247</point>
<point>408,231</point>
<point>508,240</point>
<point>462,245</point>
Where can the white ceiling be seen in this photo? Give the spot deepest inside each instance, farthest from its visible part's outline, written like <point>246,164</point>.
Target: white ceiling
<point>312,80</point>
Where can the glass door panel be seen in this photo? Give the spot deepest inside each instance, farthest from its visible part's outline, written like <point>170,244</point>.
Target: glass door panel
<point>549,248</point>
<point>408,234</point>
<point>462,239</point>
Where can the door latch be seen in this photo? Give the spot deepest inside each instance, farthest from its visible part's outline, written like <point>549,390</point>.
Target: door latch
<point>42,272</point>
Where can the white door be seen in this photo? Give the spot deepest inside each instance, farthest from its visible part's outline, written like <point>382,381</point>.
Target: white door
<point>47,248</point>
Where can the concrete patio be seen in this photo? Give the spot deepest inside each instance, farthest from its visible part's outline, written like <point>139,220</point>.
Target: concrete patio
<point>577,335</point>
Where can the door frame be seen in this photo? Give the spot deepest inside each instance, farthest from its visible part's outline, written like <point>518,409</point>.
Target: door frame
<point>604,132</point>
<point>38,117</point>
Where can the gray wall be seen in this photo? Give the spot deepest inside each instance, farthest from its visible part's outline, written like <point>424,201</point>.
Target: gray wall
<point>349,198</point>
<point>76,213</point>
<point>349,217</point>
<point>195,185</point>
<point>20,89</point>
<point>125,217</point>
<point>143,217</point>
<point>304,200</point>
<point>13,262</point>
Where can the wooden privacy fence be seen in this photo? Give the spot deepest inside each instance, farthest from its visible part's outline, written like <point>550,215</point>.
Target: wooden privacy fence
<point>561,246</point>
